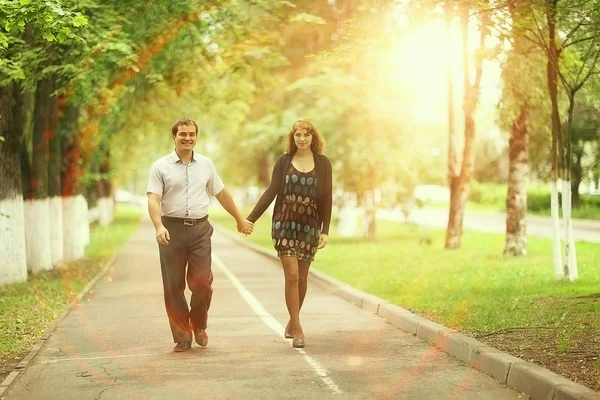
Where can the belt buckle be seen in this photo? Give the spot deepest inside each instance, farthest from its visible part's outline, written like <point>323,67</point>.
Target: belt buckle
<point>188,222</point>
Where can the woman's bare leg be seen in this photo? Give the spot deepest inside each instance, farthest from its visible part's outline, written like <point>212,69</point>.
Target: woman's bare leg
<point>303,267</point>
<point>292,301</point>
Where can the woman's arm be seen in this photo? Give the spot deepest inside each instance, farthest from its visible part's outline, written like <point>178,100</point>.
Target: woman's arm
<point>325,213</point>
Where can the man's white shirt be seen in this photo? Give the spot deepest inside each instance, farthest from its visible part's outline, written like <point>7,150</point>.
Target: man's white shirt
<point>185,188</point>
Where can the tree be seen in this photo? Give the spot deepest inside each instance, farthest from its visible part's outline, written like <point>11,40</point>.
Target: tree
<point>572,62</point>
<point>27,26</point>
<point>518,101</point>
<point>460,172</point>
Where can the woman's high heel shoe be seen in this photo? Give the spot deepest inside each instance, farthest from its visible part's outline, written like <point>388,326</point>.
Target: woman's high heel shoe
<point>298,343</point>
<point>288,333</point>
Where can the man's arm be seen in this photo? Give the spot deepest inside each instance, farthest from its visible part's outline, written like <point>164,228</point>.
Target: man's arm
<point>226,201</point>
<point>162,234</point>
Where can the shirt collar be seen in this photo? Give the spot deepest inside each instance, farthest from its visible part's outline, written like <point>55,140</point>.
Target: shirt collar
<point>175,158</point>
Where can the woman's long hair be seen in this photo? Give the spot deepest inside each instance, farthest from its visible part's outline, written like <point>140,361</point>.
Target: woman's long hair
<point>317,144</point>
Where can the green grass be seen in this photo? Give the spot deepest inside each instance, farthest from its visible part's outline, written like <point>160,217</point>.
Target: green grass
<point>27,309</point>
<point>474,289</point>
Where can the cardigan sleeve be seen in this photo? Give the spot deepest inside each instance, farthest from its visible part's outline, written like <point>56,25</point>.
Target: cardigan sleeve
<point>327,202</point>
<point>267,197</point>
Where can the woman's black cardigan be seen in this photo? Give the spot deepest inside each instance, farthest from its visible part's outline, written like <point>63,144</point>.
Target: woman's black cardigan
<point>277,185</point>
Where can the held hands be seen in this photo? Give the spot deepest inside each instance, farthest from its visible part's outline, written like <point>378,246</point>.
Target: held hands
<point>245,227</point>
<point>323,239</point>
<point>162,235</point>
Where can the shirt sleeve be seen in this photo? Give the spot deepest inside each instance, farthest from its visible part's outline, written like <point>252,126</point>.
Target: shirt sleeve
<point>214,184</point>
<point>155,182</point>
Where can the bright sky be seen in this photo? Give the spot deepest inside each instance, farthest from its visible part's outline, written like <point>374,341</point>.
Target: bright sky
<point>421,57</point>
<point>424,54</point>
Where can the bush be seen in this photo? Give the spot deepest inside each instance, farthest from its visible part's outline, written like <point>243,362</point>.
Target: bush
<point>488,193</point>
<point>587,200</point>
<point>538,199</point>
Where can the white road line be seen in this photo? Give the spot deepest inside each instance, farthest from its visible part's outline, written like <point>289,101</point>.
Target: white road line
<point>97,358</point>
<point>272,323</point>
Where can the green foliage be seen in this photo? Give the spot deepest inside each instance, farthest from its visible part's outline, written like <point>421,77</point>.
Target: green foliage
<point>28,26</point>
<point>307,18</point>
<point>487,193</point>
<point>538,200</point>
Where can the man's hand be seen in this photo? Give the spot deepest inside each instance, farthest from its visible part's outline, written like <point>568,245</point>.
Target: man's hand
<point>246,227</point>
<point>323,239</point>
<point>162,235</point>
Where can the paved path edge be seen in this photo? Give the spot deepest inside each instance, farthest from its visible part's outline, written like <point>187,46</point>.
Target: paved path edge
<point>34,350</point>
<point>528,378</point>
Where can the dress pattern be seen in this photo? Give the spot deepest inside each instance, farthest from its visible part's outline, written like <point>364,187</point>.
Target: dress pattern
<point>296,226</point>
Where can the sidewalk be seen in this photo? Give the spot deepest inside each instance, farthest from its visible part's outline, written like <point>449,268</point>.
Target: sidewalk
<point>494,222</point>
<point>116,343</point>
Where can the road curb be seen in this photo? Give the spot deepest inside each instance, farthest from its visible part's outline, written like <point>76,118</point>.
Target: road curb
<point>525,377</point>
<point>36,348</point>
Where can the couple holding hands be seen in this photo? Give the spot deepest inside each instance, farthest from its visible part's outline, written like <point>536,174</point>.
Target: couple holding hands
<point>178,196</point>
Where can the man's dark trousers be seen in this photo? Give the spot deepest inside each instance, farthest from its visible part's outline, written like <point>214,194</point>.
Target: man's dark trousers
<point>188,255</point>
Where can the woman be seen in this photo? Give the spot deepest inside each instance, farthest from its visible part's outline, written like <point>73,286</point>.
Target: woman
<point>301,181</point>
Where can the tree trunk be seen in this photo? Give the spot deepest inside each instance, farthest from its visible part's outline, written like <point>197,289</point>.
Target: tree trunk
<point>371,204</point>
<point>13,263</point>
<point>453,232</point>
<point>459,188</point>
<point>75,213</point>
<point>552,77</point>
<point>453,153</point>
<point>105,201</point>
<point>371,216</point>
<point>516,199</point>
<point>264,172</point>
<point>54,185</point>
<point>570,268</point>
<point>577,174</point>
<point>37,207</point>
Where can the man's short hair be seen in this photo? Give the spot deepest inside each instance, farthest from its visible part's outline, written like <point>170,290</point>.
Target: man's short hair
<point>183,121</point>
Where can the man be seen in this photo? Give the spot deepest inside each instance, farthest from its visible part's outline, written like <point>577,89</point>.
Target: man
<point>178,195</point>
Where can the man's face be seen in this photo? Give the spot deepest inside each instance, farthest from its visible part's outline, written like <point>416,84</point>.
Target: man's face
<point>185,138</point>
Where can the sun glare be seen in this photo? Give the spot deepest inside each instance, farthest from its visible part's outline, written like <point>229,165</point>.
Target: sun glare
<point>421,59</point>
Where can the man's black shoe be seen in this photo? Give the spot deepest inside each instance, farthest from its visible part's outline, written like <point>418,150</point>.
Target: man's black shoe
<point>182,346</point>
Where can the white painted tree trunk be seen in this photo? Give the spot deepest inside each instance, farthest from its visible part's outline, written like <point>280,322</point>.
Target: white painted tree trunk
<point>111,208</point>
<point>37,235</point>
<point>105,205</point>
<point>83,220</point>
<point>570,268</point>
<point>13,259</point>
<point>556,244</point>
<point>347,225</point>
<point>73,240</point>
<point>56,230</point>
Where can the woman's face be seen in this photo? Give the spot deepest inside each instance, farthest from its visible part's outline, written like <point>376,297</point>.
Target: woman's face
<point>303,138</point>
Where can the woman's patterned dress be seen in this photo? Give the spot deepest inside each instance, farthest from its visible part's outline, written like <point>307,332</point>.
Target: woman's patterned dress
<point>296,227</point>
